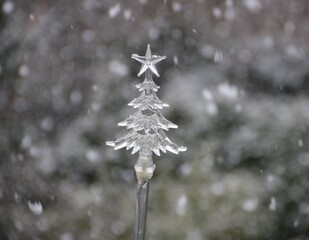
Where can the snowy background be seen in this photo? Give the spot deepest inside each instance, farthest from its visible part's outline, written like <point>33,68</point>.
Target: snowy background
<point>236,77</point>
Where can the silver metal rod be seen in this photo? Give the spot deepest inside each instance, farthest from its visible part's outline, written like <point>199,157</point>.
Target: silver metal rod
<point>141,210</point>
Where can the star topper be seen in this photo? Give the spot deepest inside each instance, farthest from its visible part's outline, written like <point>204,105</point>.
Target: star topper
<point>148,61</point>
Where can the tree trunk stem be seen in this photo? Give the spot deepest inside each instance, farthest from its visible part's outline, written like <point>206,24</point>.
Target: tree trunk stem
<point>141,209</point>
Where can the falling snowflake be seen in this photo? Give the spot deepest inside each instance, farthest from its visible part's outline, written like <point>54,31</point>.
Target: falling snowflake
<point>35,207</point>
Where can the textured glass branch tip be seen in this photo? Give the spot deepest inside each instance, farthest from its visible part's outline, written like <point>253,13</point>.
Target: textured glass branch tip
<point>147,125</point>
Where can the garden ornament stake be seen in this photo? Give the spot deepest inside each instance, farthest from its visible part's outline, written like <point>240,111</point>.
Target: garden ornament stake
<point>146,134</point>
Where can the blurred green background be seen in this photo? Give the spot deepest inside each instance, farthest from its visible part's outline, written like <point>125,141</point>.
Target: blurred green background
<point>237,80</point>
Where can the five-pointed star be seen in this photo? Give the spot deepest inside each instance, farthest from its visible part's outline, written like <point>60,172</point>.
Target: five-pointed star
<point>148,61</point>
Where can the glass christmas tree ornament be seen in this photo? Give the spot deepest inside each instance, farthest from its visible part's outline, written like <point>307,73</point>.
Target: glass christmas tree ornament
<point>146,134</point>
<point>146,126</point>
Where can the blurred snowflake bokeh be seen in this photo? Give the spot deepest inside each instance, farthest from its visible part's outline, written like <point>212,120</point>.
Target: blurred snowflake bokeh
<point>236,78</point>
